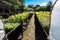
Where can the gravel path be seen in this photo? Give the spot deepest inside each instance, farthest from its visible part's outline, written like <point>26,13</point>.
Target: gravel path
<point>29,34</point>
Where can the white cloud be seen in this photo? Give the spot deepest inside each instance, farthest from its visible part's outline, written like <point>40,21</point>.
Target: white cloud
<point>43,4</point>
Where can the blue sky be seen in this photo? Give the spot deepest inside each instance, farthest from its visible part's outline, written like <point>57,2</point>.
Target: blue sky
<point>35,2</point>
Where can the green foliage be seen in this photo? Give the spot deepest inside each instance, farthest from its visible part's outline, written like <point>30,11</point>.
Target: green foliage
<point>49,5</point>
<point>15,20</point>
<point>31,6</point>
<point>44,18</point>
<point>43,8</point>
<point>36,8</point>
<point>17,17</point>
<point>40,8</point>
<point>15,3</point>
<point>11,25</point>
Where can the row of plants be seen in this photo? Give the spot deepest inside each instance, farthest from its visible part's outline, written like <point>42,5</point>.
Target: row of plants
<point>43,17</point>
<point>15,20</point>
<point>17,17</point>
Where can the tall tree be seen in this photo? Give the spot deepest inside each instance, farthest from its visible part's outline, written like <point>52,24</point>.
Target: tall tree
<point>31,7</point>
<point>37,8</point>
<point>49,5</point>
<point>43,8</point>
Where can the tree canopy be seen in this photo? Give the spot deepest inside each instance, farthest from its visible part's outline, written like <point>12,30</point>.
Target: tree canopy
<point>49,5</point>
<point>14,3</point>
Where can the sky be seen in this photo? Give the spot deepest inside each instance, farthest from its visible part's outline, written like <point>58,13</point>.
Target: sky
<point>36,2</point>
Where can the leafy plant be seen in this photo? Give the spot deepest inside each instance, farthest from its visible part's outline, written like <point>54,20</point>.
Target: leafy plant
<point>11,25</point>
<point>43,18</point>
<point>15,20</point>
